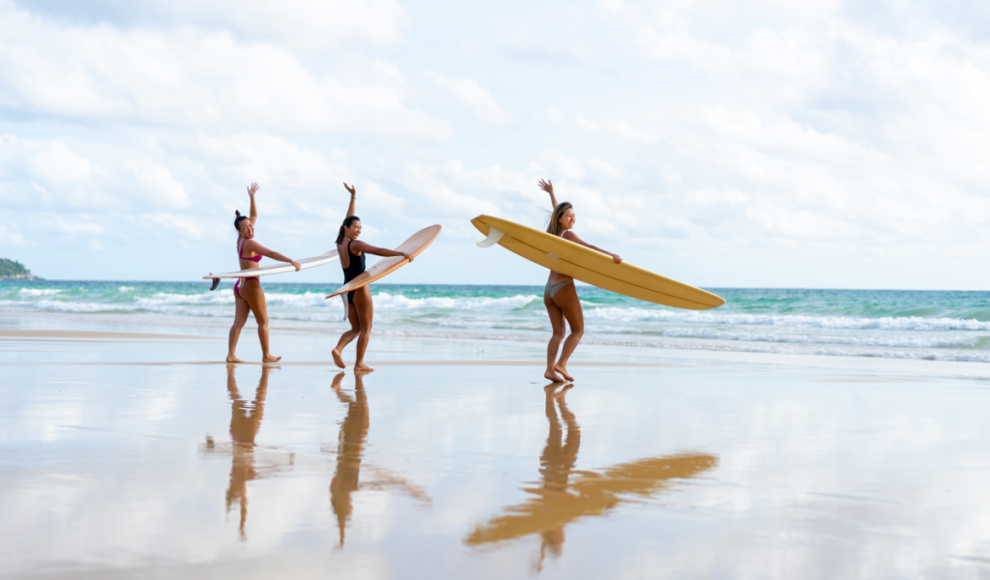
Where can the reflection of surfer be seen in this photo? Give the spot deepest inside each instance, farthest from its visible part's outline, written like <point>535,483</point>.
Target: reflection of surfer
<point>557,461</point>
<point>248,295</point>
<point>353,432</point>
<point>359,306</point>
<point>352,473</point>
<point>245,420</point>
<point>559,296</point>
<point>568,494</point>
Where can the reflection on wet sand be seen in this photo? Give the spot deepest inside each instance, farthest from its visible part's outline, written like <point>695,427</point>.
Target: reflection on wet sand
<point>350,449</point>
<point>245,421</point>
<point>353,431</point>
<point>566,495</point>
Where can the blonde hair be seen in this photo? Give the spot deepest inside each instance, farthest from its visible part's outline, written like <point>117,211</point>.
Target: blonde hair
<point>554,227</point>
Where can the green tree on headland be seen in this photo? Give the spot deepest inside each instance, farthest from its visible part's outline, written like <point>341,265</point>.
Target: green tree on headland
<point>11,269</point>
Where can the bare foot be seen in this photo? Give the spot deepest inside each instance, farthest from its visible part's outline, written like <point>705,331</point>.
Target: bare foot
<point>271,359</point>
<point>363,368</point>
<point>563,371</point>
<point>337,359</point>
<point>233,359</point>
<point>552,376</point>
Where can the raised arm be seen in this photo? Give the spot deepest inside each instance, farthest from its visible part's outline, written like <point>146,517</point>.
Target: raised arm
<point>253,246</point>
<point>571,236</point>
<point>353,190</point>
<point>547,186</point>
<point>254,209</point>
<point>368,248</point>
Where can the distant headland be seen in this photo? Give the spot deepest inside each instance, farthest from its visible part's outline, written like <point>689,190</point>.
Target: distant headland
<point>13,270</point>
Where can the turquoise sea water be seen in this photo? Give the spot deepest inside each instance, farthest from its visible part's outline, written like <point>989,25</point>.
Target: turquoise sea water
<point>939,325</point>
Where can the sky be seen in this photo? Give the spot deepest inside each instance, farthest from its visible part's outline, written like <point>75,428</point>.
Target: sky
<point>772,143</point>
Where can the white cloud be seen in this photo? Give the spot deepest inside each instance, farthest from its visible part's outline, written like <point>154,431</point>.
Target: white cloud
<point>191,78</point>
<point>9,237</point>
<point>157,184</point>
<point>182,224</point>
<point>475,97</point>
<point>618,129</point>
<point>74,226</point>
<point>300,23</point>
<point>47,173</point>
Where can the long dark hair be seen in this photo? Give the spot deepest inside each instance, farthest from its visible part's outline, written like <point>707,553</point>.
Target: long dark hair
<point>347,223</point>
<point>554,226</point>
<point>238,219</point>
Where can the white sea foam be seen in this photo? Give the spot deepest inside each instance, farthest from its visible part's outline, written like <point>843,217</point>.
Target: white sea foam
<point>384,301</point>
<point>910,354</point>
<point>38,291</point>
<point>824,339</point>
<point>59,306</point>
<point>796,320</point>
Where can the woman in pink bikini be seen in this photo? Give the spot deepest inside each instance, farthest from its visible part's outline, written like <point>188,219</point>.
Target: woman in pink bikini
<point>559,295</point>
<point>248,295</point>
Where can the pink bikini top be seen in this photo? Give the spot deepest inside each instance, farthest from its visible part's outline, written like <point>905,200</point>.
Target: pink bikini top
<point>240,253</point>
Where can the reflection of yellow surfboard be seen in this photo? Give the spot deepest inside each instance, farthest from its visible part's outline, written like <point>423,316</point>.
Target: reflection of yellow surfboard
<point>595,268</point>
<point>414,245</point>
<point>590,494</point>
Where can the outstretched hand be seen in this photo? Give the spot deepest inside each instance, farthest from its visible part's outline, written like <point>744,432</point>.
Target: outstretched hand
<point>351,189</point>
<point>546,186</point>
<point>296,264</point>
<point>617,258</point>
<point>253,189</point>
<point>407,256</point>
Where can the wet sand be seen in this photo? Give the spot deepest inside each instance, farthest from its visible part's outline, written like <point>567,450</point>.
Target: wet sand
<point>139,454</point>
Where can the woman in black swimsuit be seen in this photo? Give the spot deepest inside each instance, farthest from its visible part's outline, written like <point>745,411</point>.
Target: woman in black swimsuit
<point>560,296</point>
<point>359,307</point>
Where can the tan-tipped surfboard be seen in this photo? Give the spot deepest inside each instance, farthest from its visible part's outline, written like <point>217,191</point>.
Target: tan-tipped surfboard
<point>280,268</point>
<point>414,245</point>
<point>595,268</point>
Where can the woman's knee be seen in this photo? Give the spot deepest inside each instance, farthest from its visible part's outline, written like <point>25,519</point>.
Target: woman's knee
<point>577,329</point>
<point>558,334</point>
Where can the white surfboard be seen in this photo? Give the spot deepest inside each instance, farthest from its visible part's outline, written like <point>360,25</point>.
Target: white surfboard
<point>279,268</point>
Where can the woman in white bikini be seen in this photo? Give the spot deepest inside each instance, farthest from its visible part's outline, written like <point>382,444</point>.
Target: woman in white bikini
<point>560,296</point>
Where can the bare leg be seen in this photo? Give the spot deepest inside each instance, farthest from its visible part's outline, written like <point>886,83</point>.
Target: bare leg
<point>567,300</point>
<point>240,317</point>
<point>255,296</point>
<point>557,323</point>
<point>365,313</point>
<point>347,337</point>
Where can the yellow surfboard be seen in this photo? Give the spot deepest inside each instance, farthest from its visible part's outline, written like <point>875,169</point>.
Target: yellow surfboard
<point>595,268</point>
<point>414,245</point>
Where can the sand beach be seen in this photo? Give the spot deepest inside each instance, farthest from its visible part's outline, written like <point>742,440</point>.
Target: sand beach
<point>130,451</point>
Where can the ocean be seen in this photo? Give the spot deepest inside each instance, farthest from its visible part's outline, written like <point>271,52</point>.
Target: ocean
<point>928,325</point>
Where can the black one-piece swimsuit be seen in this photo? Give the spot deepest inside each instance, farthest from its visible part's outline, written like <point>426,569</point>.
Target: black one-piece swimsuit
<point>353,270</point>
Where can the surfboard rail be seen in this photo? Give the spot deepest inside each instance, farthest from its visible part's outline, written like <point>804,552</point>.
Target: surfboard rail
<point>592,267</point>
<point>279,268</point>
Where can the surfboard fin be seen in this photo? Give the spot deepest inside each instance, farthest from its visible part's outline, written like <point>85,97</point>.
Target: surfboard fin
<point>494,235</point>
<point>216,282</point>
<point>343,298</point>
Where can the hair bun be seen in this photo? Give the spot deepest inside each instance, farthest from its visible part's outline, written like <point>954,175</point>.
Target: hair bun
<point>237,213</point>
